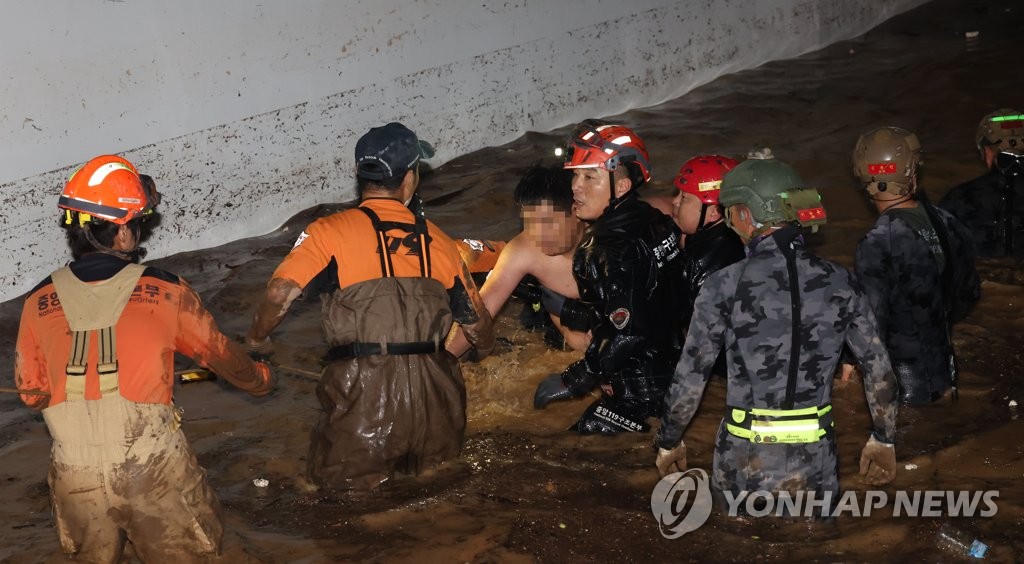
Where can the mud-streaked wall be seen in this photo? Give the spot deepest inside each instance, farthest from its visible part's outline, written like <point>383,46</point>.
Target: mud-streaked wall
<point>246,112</point>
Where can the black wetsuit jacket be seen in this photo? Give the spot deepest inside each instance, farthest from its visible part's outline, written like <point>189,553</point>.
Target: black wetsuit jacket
<point>992,212</point>
<point>710,249</point>
<point>628,268</point>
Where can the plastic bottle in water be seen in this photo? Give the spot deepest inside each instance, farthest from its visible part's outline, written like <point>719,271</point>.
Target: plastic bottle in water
<point>961,543</point>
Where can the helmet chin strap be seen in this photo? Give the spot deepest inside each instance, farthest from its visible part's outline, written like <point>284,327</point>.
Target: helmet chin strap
<point>895,201</point>
<point>134,255</point>
<point>703,216</point>
<point>612,199</point>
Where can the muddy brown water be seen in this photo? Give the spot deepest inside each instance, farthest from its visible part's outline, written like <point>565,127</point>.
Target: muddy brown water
<point>527,490</point>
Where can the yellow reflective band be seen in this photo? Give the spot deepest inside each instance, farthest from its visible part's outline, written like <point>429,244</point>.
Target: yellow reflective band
<point>784,430</point>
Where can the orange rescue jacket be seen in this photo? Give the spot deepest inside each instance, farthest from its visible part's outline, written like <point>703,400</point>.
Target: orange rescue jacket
<point>346,244</point>
<point>163,315</point>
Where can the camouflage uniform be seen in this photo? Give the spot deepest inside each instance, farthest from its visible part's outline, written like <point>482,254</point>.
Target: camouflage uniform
<point>981,205</point>
<point>748,309</point>
<point>901,273</point>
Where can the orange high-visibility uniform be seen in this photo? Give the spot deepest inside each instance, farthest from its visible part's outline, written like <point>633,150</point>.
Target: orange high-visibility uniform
<point>394,399</point>
<point>121,467</point>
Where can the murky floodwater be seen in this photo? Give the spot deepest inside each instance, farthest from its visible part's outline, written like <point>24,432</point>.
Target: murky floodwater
<point>527,490</point>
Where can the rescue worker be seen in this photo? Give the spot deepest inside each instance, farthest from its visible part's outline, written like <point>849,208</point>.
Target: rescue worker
<point>709,243</point>
<point>627,268</point>
<point>543,250</point>
<point>97,339</point>
<point>782,316</point>
<point>916,265</point>
<point>393,398</point>
<point>991,206</point>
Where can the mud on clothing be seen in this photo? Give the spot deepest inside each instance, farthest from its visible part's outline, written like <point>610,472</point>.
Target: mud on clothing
<point>627,268</point>
<point>385,412</point>
<point>120,464</point>
<point>991,208</point>
<point>747,309</point>
<point>902,262</point>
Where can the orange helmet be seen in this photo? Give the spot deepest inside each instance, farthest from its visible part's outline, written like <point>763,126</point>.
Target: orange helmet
<point>109,188</point>
<point>702,176</point>
<point>598,145</point>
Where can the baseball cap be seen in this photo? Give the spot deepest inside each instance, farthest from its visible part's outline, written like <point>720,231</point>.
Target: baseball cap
<point>389,150</point>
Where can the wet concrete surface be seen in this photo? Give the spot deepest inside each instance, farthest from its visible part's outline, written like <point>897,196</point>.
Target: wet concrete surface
<point>527,490</point>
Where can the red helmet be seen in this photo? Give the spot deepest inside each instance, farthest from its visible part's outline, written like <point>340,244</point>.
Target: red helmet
<point>596,145</point>
<point>109,188</point>
<point>702,176</point>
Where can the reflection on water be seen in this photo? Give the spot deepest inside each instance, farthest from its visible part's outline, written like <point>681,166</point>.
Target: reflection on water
<point>525,489</point>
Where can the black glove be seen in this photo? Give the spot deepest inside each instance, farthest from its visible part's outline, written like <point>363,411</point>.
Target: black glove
<point>528,290</point>
<point>550,389</point>
<point>577,315</point>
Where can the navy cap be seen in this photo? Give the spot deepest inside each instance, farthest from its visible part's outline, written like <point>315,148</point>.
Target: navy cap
<point>390,150</point>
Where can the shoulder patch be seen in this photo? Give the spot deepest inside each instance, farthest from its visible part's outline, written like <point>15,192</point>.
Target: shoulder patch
<point>619,317</point>
<point>475,244</point>
<point>302,237</point>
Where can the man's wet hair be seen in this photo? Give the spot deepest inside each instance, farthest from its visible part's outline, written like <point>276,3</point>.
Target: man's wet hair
<point>552,184</point>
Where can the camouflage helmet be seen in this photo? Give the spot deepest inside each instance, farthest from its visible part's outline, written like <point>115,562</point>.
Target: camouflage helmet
<point>1004,128</point>
<point>886,159</point>
<point>759,184</point>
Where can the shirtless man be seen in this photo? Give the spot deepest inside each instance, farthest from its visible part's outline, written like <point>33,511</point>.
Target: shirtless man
<point>543,249</point>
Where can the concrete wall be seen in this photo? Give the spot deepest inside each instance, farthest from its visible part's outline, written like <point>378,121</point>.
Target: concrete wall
<point>246,113</point>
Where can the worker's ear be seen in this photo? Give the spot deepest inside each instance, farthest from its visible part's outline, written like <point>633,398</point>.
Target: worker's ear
<point>125,239</point>
<point>410,182</point>
<point>622,183</point>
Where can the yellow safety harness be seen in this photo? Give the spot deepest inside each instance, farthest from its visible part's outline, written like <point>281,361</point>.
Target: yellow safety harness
<point>785,426</point>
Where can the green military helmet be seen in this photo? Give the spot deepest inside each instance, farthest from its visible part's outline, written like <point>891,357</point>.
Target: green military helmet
<point>759,184</point>
<point>1003,128</point>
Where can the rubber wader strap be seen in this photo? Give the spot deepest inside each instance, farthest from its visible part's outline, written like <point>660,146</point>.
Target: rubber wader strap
<point>783,426</point>
<point>93,308</point>
<point>419,229</point>
<point>352,350</point>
